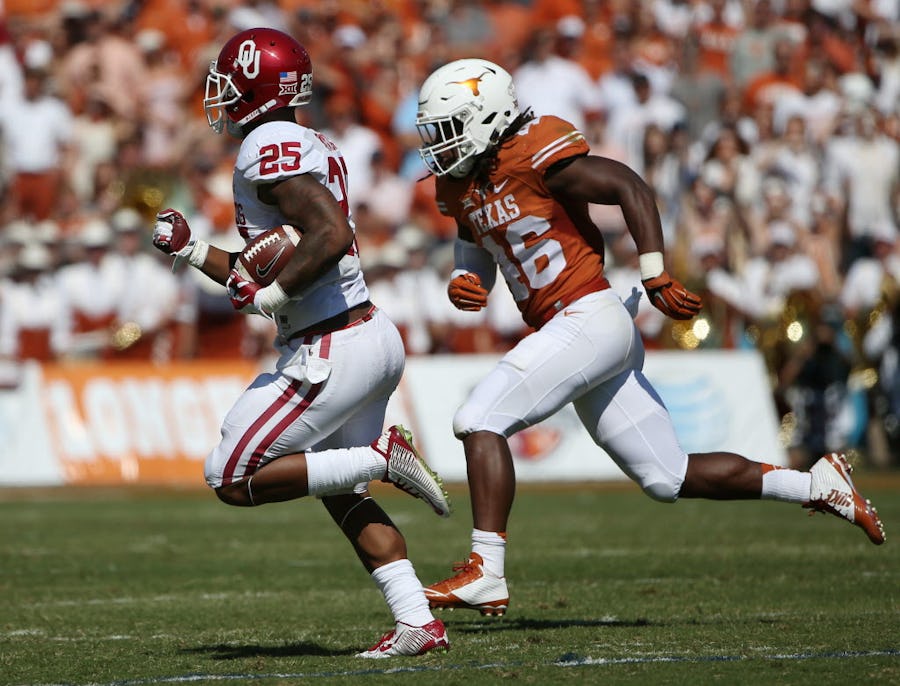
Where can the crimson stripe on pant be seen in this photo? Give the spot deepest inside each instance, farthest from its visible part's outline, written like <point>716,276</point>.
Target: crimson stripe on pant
<point>234,459</point>
<point>288,419</point>
<point>284,399</point>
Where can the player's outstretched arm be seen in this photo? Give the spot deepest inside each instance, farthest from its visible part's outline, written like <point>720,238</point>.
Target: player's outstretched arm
<point>599,180</point>
<point>602,181</point>
<point>172,236</point>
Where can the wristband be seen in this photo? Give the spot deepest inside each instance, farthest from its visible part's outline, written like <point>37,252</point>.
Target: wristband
<point>271,298</point>
<point>197,258</point>
<point>651,265</point>
<point>194,253</point>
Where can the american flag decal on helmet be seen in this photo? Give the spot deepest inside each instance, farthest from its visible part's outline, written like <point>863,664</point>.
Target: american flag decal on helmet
<point>287,83</point>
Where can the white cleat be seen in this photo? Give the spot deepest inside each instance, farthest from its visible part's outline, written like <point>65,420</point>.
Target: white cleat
<point>409,640</point>
<point>472,588</point>
<point>409,472</point>
<point>833,491</point>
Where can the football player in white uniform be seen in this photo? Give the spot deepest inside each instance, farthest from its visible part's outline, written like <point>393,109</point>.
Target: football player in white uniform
<point>311,426</point>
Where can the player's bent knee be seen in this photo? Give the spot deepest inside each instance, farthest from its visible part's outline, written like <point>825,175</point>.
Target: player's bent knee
<point>662,491</point>
<point>467,420</point>
<point>235,494</point>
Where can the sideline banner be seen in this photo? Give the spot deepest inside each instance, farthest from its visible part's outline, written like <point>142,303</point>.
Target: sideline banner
<point>134,422</point>
<point>124,422</point>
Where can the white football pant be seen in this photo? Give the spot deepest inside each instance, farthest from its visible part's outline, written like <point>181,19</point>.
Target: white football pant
<point>329,391</point>
<point>589,354</point>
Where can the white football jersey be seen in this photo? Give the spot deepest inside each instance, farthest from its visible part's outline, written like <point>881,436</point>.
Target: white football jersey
<point>279,150</point>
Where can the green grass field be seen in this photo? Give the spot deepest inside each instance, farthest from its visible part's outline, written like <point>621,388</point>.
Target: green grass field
<point>134,587</point>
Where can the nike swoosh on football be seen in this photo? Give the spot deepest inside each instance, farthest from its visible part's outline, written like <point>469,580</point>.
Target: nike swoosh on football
<point>499,188</point>
<point>261,272</point>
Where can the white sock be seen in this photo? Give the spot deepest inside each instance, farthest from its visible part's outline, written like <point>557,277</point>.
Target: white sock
<point>492,548</point>
<point>787,485</point>
<point>332,470</point>
<point>403,593</point>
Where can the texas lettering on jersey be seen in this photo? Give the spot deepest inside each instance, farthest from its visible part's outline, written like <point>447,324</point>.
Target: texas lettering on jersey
<point>544,258</point>
<point>495,213</point>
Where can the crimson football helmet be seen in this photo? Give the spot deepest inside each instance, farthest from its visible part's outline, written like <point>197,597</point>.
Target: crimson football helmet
<point>257,71</point>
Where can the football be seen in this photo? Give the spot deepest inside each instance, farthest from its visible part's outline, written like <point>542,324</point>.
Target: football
<point>265,256</point>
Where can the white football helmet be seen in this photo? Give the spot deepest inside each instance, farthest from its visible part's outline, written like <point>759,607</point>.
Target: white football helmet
<point>464,107</point>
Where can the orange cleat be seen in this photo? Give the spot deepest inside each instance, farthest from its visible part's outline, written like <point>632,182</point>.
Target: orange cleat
<point>833,492</point>
<point>472,588</point>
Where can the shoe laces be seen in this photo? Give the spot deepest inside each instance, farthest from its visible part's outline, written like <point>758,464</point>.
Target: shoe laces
<point>465,566</point>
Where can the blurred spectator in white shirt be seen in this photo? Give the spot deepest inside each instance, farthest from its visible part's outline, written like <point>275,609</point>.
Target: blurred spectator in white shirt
<point>863,171</point>
<point>761,289</point>
<point>388,196</point>
<point>421,288</point>
<point>95,138</point>
<point>36,135</point>
<point>550,83</point>
<point>615,87</point>
<point>729,169</point>
<point>32,322</point>
<point>818,102</point>
<point>164,91</point>
<point>628,123</point>
<point>674,17</point>
<point>357,143</point>
<point>150,295</point>
<point>793,158</point>
<point>91,287</point>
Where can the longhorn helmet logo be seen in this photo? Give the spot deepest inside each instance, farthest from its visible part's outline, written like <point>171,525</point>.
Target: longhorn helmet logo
<point>248,59</point>
<point>472,83</point>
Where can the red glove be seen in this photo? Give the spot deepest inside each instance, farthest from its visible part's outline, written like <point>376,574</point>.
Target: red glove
<point>171,234</point>
<point>242,292</point>
<point>671,298</point>
<point>466,293</point>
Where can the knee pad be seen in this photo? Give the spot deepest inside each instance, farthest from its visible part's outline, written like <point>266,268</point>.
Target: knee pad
<point>664,491</point>
<point>465,421</point>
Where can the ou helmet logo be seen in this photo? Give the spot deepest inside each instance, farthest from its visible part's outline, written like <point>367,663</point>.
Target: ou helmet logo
<point>248,59</point>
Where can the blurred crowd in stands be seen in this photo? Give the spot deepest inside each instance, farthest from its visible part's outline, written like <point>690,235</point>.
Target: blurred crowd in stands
<point>769,129</point>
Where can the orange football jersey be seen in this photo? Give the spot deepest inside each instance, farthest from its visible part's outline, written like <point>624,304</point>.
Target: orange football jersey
<point>545,259</point>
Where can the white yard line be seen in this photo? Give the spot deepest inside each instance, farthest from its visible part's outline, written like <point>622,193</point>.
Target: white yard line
<point>566,661</point>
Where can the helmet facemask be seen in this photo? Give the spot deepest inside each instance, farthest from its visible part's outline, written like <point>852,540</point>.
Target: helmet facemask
<point>220,93</point>
<point>464,108</point>
<point>448,146</point>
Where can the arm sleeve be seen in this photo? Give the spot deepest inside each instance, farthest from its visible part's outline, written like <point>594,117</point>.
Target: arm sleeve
<point>468,257</point>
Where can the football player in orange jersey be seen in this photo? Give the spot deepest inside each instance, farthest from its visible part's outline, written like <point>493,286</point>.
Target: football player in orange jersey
<point>519,189</point>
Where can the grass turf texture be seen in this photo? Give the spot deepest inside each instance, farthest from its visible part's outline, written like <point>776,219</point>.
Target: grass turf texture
<point>154,587</point>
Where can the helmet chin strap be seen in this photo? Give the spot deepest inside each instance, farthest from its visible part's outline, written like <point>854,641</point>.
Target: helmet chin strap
<point>233,128</point>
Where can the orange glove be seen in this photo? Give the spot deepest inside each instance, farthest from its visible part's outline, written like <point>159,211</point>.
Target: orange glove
<point>466,293</point>
<point>671,298</point>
